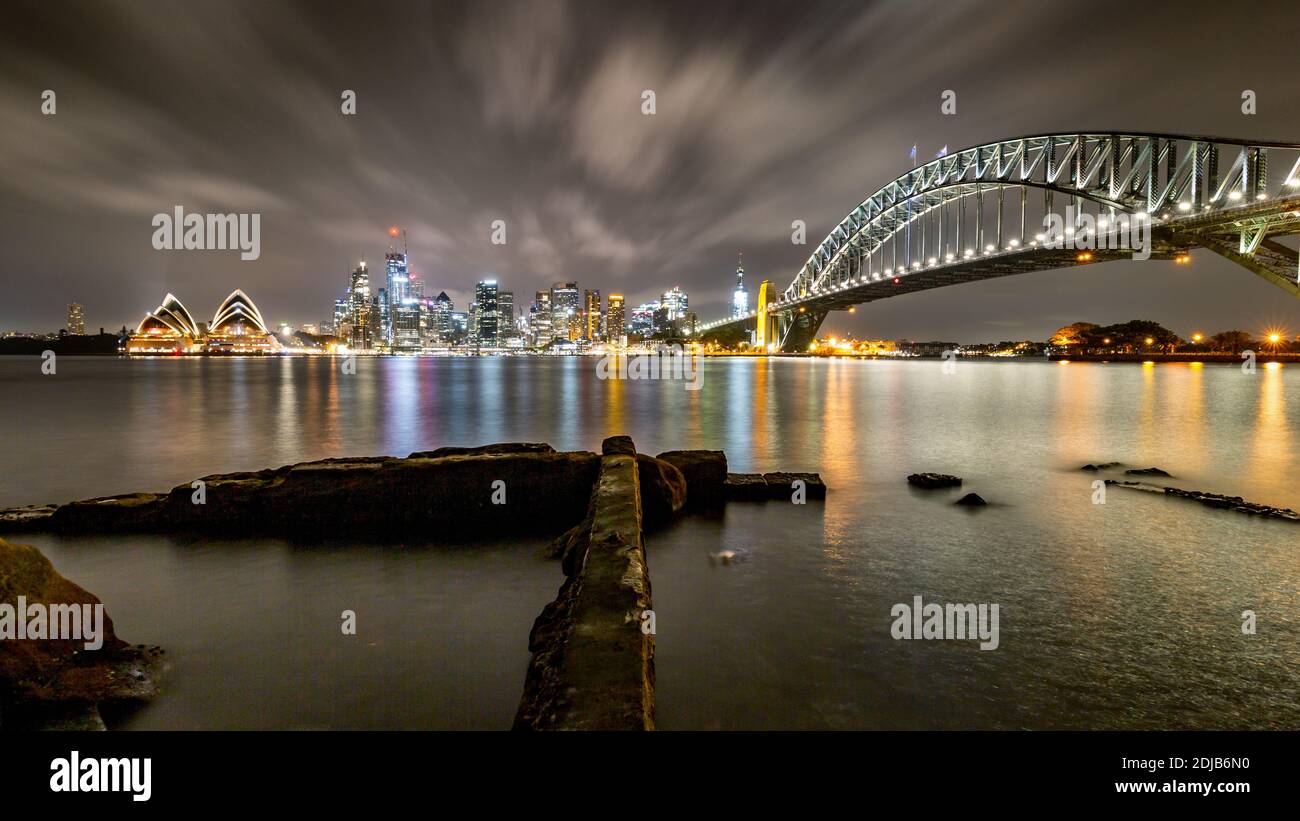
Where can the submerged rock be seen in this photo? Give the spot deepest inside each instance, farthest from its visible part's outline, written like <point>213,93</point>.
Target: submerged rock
<point>1102,466</point>
<point>971,500</point>
<point>1216,500</point>
<point>932,481</point>
<point>781,485</point>
<point>60,683</point>
<point>1147,472</point>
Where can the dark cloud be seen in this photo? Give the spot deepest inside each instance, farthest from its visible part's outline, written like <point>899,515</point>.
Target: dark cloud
<point>531,113</point>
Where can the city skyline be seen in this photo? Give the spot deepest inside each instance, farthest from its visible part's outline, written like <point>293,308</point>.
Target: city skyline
<point>515,120</point>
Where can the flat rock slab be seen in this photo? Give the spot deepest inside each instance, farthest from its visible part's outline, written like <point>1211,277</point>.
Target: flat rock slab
<point>778,486</point>
<point>745,487</point>
<point>933,481</point>
<point>781,485</point>
<point>421,498</point>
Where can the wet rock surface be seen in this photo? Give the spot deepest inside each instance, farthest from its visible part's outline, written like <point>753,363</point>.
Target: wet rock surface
<point>781,485</point>
<point>1215,500</point>
<point>745,487</point>
<point>933,481</point>
<point>663,490</point>
<point>971,500</point>
<point>426,498</point>
<point>705,472</point>
<point>592,666</point>
<point>1147,472</point>
<point>59,683</point>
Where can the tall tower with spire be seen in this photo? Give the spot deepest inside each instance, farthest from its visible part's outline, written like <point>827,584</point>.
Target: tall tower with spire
<point>740,297</point>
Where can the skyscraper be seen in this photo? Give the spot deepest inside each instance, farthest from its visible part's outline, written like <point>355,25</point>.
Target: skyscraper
<point>486,314</point>
<point>398,286</point>
<point>539,318</point>
<point>592,308</point>
<point>76,320</point>
<point>362,308</point>
<point>740,297</point>
<point>505,316</point>
<point>564,306</point>
<point>674,302</point>
<point>615,322</point>
<point>441,321</point>
<point>342,316</point>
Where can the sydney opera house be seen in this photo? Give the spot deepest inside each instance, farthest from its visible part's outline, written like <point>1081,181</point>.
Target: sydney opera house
<point>236,328</point>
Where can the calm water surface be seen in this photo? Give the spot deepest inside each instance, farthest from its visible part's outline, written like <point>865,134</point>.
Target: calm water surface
<point>1122,615</point>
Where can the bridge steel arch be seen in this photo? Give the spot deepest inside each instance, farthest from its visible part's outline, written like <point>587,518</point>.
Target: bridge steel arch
<point>946,221</point>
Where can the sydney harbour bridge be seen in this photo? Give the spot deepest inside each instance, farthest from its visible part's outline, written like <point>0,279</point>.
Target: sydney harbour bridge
<point>979,213</point>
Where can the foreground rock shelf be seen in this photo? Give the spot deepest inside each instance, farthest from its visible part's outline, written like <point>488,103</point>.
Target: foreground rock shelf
<point>592,664</point>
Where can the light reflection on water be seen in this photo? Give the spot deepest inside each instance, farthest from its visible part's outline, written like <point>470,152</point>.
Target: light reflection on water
<point>1118,615</point>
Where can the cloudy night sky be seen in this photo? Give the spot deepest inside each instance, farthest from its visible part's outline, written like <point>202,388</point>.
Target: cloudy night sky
<point>531,113</point>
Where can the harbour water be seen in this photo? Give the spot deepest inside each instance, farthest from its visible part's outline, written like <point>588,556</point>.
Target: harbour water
<point>1125,614</point>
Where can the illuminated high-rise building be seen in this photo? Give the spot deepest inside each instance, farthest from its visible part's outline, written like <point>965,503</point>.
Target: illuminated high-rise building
<point>342,316</point>
<point>398,285</point>
<point>361,307</point>
<point>76,320</point>
<point>441,321</point>
<point>539,318</point>
<point>740,297</point>
<point>486,312</point>
<point>505,316</point>
<point>564,304</point>
<point>593,314</point>
<point>406,326</point>
<point>615,322</point>
<point>674,303</point>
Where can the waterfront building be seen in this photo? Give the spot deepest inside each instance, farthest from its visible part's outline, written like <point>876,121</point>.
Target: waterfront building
<point>485,299</point>
<point>76,320</point>
<point>442,310</point>
<point>397,288</point>
<point>564,304</point>
<point>539,318</point>
<point>642,322</point>
<point>459,326</point>
<point>381,333</point>
<point>594,313</point>
<point>361,309</point>
<point>406,326</point>
<point>237,327</point>
<point>506,316</point>
<point>615,329</point>
<point>169,328</point>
